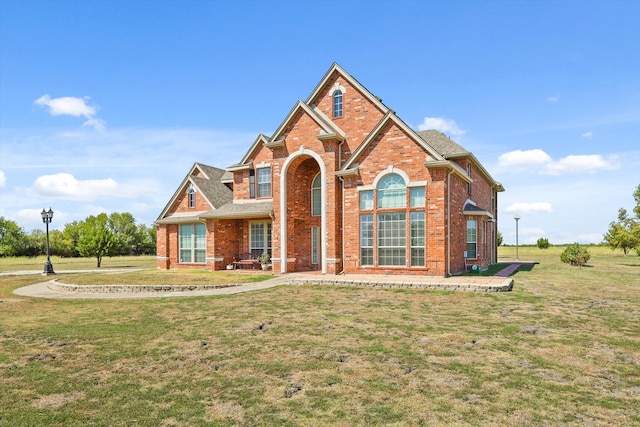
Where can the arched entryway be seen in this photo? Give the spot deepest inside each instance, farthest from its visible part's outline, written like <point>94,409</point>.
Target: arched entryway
<point>303,222</point>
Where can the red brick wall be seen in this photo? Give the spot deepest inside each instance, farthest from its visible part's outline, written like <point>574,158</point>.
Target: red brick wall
<point>182,203</point>
<point>359,116</point>
<point>224,241</point>
<point>393,147</point>
<point>303,131</point>
<point>481,195</point>
<point>162,247</point>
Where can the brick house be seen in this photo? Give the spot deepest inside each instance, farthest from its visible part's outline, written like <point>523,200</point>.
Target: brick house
<point>342,186</point>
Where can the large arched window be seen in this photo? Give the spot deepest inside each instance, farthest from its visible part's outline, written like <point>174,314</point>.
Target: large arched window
<point>392,192</point>
<point>392,226</point>
<point>316,202</point>
<point>337,103</point>
<point>398,238</point>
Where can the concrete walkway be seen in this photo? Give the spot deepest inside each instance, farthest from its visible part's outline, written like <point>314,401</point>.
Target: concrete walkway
<point>54,289</point>
<point>47,290</point>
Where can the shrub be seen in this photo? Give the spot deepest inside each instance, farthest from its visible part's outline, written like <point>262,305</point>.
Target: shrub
<point>543,243</point>
<point>575,255</point>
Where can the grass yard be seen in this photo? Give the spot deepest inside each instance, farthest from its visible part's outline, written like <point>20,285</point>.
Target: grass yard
<point>562,349</point>
<point>60,264</point>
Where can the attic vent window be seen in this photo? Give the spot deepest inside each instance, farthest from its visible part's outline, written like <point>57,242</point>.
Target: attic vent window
<point>337,103</point>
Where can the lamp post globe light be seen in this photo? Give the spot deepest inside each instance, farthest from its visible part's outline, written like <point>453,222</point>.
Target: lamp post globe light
<point>47,217</point>
<point>517,218</point>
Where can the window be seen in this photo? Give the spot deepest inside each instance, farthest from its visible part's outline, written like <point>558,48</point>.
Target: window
<point>392,192</point>
<point>337,103</point>
<point>192,197</point>
<point>193,243</point>
<point>316,196</point>
<point>469,175</point>
<point>260,238</point>
<point>417,239</point>
<point>416,195</point>
<point>366,200</point>
<point>394,234</point>
<point>472,239</point>
<point>392,238</point>
<point>252,184</point>
<point>315,244</point>
<point>264,182</point>
<point>366,239</point>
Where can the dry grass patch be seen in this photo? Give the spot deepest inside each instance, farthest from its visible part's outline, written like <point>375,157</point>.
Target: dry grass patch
<point>558,350</point>
<point>163,277</point>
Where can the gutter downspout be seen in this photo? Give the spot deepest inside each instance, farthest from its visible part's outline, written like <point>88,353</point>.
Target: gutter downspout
<point>449,222</point>
<point>342,224</point>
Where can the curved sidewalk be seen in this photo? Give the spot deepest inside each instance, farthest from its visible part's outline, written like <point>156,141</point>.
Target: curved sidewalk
<point>45,290</point>
<point>53,289</point>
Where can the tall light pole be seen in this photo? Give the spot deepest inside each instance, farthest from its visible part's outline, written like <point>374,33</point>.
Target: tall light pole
<point>47,217</point>
<point>517,218</point>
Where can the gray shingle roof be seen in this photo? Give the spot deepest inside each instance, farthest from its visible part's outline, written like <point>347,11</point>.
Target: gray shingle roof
<point>241,210</point>
<point>212,188</point>
<point>443,144</point>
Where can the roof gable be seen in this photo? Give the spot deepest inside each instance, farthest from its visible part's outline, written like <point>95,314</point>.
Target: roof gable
<point>335,68</point>
<point>325,124</point>
<point>259,141</point>
<point>391,117</point>
<point>207,181</point>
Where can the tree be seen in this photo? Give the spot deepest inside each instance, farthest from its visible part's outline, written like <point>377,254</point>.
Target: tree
<point>36,243</point>
<point>575,255</point>
<point>499,238</point>
<point>543,243</point>
<point>624,233</point>
<point>13,240</point>
<point>124,228</point>
<point>96,239</point>
<point>147,240</point>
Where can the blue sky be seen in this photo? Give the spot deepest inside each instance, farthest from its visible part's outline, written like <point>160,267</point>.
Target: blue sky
<point>106,105</point>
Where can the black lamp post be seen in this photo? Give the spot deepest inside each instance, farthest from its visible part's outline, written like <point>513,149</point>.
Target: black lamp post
<point>47,217</point>
<point>517,218</point>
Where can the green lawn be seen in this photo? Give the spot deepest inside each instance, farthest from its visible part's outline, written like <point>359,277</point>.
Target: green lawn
<point>562,349</point>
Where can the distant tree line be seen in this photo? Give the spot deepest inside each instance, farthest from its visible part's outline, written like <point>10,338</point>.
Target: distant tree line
<point>96,236</point>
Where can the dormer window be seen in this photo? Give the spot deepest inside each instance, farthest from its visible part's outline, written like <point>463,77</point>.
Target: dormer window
<point>337,103</point>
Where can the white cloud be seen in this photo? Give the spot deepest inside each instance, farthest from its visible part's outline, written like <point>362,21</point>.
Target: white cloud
<point>573,163</point>
<point>443,125</point>
<point>589,163</point>
<point>3,179</point>
<point>97,124</point>
<point>66,186</point>
<point>71,106</point>
<point>527,208</point>
<point>587,134</point>
<point>524,158</point>
<point>554,98</point>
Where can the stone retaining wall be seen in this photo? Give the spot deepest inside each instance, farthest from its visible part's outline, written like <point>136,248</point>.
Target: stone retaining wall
<point>111,289</point>
<point>505,286</point>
